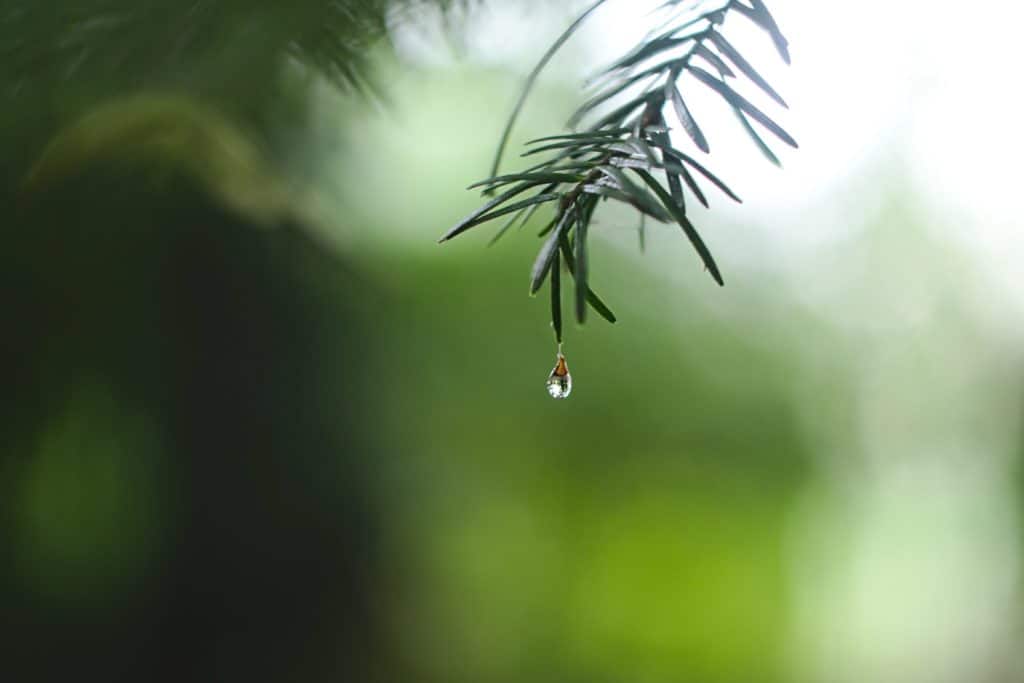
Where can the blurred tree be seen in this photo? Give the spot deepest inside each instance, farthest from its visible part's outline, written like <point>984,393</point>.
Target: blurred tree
<point>182,493</point>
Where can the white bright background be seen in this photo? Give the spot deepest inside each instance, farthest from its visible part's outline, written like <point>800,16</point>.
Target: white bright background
<point>904,553</point>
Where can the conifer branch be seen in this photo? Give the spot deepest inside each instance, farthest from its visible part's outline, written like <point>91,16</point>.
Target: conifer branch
<point>618,147</point>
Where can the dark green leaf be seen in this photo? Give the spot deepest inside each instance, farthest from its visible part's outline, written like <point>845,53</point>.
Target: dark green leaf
<point>707,174</point>
<point>646,51</point>
<point>622,151</point>
<point>733,55</point>
<point>599,306</point>
<point>675,189</point>
<point>674,186</point>
<point>560,165</point>
<point>692,184</point>
<point>592,298</point>
<point>582,266</point>
<point>524,216</point>
<point>711,58</point>
<point>511,208</point>
<point>740,102</point>
<point>571,145</point>
<point>535,178</point>
<point>685,118</point>
<point>684,223</point>
<point>639,197</point>
<point>508,224</point>
<point>532,79</point>
<point>762,146</point>
<point>654,211</point>
<point>556,296</point>
<point>643,148</point>
<point>468,221</point>
<point>609,94</point>
<point>548,227</point>
<point>616,116</point>
<point>760,15</point>
<point>689,28</point>
<point>591,135</point>
<point>542,264</point>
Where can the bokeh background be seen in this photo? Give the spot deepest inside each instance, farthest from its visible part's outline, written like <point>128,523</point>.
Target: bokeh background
<point>258,425</point>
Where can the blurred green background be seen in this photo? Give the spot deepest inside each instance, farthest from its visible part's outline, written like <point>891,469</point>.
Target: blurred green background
<point>259,426</point>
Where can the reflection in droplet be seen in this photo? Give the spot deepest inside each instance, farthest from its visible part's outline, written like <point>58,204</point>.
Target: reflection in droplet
<point>560,381</point>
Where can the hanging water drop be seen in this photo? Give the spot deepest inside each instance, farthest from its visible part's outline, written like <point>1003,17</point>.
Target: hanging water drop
<point>560,381</point>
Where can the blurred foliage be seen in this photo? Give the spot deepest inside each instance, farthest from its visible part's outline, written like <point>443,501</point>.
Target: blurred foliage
<point>245,438</point>
<point>167,134</point>
<point>251,60</point>
<point>89,499</point>
<point>182,494</point>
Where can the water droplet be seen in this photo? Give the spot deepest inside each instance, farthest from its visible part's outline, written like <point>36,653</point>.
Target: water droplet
<point>560,381</point>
